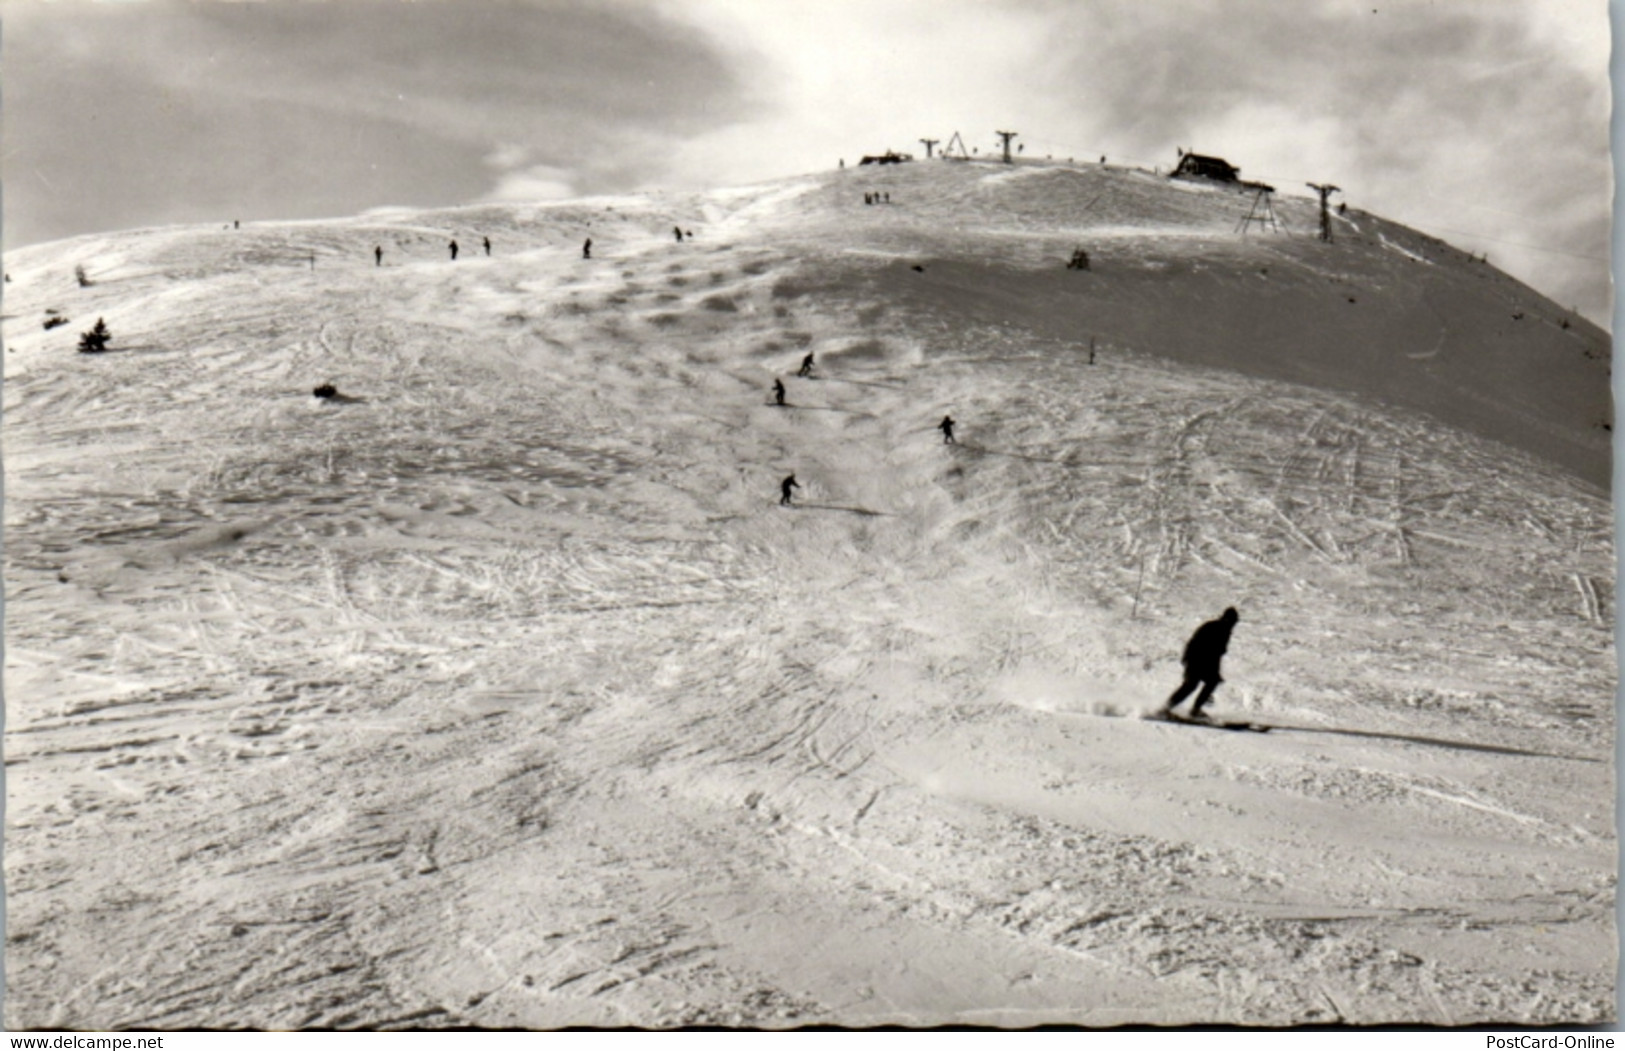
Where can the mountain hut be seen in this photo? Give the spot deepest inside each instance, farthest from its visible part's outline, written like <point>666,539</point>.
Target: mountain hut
<point>1199,166</point>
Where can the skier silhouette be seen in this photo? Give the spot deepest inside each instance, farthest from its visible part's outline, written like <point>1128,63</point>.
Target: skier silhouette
<point>785,487</point>
<point>947,429</point>
<point>778,391</point>
<point>1201,659</point>
<point>806,365</point>
<point>378,255</point>
<point>586,249</point>
<point>678,230</point>
<point>454,251</point>
<point>487,241</point>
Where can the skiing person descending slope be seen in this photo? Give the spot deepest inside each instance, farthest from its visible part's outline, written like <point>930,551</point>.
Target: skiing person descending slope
<point>1201,660</point>
<point>785,487</point>
<point>778,391</point>
<point>947,429</point>
<point>806,365</point>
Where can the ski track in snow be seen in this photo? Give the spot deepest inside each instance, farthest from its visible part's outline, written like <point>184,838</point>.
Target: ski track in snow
<point>503,695</point>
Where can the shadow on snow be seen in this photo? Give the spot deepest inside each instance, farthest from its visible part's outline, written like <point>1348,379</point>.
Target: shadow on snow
<point>1438,742</point>
<point>849,510</point>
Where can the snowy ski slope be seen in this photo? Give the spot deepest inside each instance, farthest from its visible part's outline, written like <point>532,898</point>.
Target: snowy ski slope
<point>505,695</point>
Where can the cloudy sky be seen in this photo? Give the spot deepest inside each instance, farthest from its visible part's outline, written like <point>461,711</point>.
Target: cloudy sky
<point>1484,122</point>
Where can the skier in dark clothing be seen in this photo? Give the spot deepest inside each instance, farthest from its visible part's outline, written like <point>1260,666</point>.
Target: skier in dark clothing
<point>806,365</point>
<point>454,251</point>
<point>1201,660</point>
<point>678,230</point>
<point>785,487</point>
<point>778,391</point>
<point>947,429</point>
<point>378,256</point>
<point>586,249</point>
<point>487,241</point>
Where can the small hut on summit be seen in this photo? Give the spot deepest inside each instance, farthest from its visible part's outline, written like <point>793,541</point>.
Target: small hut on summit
<point>1200,166</point>
<point>889,157</point>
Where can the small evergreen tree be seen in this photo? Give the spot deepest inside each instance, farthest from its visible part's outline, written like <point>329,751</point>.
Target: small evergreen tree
<point>95,341</point>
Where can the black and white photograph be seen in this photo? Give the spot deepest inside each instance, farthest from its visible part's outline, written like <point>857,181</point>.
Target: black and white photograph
<point>799,514</point>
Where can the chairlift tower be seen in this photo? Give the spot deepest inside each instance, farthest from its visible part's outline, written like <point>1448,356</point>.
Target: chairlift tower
<point>928,143</point>
<point>1007,136</point>
<point>948,150</point>
<point>1325,217</point>
<point>1262,212</point>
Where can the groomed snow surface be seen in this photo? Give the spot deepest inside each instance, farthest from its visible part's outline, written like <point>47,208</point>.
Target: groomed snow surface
<point>502,693</point>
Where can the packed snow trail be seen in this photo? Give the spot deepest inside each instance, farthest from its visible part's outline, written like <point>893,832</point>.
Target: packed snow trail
<point>506,696</point>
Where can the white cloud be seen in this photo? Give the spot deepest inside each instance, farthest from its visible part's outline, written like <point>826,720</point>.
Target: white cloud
<point>540,182</point>
<point>506,156</point>
<point>841,77</point>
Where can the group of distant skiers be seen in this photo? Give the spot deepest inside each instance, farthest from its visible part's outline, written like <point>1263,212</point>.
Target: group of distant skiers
<point>806,370</point>
<point>877,198</point>
<point>586,246</point>
<point>378,251</point>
